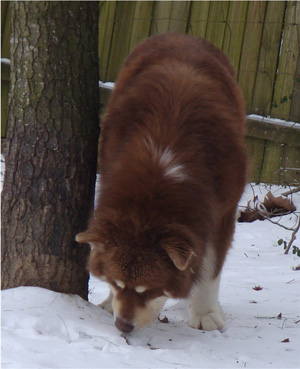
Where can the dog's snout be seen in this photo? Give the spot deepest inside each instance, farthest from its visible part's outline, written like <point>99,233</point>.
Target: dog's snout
<point>124,325</point>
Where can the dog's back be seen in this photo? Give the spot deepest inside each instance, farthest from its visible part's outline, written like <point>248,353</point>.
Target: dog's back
<point>173,167</point>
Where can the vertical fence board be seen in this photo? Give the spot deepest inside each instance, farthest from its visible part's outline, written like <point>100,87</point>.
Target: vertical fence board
<point>268,57</point>
<point>284,84</point>
<point>273,162</point>
<point>291,164</point>
<point>121,38</point>
<point>179,16</point>
<point>216,23</point>
<point>106,26</point>
<point>198,18</point>
<point>250,50</point>
<point>255,149</point>
<point>234,31</point>
<point>161,17</point>
<point>295,104</point>
<point>4,7</point>
<point>141,22</point>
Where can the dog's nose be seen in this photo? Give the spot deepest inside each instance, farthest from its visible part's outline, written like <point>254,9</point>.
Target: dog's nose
<point>124,325</point>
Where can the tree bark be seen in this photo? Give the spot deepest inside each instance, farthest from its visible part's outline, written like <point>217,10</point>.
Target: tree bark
<point>53,132</point>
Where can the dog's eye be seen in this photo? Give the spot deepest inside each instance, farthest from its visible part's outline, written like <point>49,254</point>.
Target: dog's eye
<point>140,289</point>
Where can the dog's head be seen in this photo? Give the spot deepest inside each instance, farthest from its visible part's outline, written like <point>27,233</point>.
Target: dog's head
<point>142,269</point>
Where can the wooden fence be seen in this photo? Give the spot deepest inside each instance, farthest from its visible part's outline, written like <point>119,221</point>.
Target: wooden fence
<point>262,39</point>
<point>274,152</point>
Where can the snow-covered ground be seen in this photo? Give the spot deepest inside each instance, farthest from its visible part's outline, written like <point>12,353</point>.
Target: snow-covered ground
<point>260,293</point>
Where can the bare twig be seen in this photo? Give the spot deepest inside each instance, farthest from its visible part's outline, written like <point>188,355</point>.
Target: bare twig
<point>294,190</point>
<point>68,335</point>
<point>269,219</point>
<point>293,237</point>
<point>276,223</point>
<point>263,212</point>
<point>107,340</point>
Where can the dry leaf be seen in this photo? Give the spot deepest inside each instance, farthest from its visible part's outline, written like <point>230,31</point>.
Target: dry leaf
<point>286,340</point>
<point>257,288</point>
<point>278,205</point>
<point>271,207</point>
<point>249,216</point>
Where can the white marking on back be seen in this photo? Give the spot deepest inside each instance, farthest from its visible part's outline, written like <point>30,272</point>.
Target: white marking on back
<point>149,144</point>
<point>176,172</point>
<point>167,160</point>
<point>166,157</point>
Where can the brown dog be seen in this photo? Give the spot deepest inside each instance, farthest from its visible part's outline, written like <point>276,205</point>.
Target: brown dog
<point>173,167</point>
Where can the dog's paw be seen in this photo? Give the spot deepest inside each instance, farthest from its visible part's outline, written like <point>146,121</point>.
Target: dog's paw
<point>208,322</point>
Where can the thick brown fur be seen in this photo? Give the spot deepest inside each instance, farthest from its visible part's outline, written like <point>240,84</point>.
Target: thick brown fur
<point>173,167</point>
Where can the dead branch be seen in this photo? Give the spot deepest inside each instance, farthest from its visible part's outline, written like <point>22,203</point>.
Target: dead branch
<point>294,190</point>
<point>272,207</point>
<point>293,237</point>
<point>277,223</point>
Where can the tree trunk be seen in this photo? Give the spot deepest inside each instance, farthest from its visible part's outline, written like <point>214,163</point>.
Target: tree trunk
<point>53,132</point>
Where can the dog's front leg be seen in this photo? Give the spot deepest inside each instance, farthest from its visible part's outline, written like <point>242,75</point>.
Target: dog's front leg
<point>205,311</point>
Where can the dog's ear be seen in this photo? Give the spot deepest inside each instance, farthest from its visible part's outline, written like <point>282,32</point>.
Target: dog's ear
<point>180,254</point>
<point>89,237</point>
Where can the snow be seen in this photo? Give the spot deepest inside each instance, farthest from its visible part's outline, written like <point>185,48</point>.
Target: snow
<point>5,61</point>
<point>107,85</point>
<point>276,121</point>
<point>259,294</point>
<point>2,169</point>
